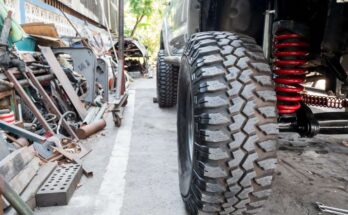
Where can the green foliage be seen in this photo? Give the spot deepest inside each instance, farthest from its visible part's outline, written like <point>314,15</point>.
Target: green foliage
<point>140,9</point>
<point>147,30</point>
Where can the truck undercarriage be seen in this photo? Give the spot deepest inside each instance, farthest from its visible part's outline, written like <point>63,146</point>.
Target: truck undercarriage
<point>305,42</point>
<point>248,69</point>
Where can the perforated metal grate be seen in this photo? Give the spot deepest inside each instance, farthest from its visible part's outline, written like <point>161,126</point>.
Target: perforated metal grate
<point>59,187</point>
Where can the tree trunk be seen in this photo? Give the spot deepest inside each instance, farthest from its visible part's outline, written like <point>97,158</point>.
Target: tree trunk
<point>139,19</point>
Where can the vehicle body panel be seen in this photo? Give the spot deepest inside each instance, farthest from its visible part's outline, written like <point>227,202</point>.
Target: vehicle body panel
<point>175,27</point>
<point>185,17</point>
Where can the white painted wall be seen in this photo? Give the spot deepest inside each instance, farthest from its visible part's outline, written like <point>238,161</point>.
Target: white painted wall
<point>35,13</point>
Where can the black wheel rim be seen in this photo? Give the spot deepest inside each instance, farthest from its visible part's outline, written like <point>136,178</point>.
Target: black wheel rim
<point>190,124</point>
<point>185,128</point>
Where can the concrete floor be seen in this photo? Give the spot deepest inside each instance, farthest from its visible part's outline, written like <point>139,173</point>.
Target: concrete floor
<point>139,176</point>
<point>135,168</point>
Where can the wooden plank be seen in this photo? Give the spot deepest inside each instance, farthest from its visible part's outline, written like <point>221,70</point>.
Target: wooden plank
<point>40,28</point>
<point>4,152</point>
<point>74,159</point>
<point>11,165</point>
<point>64,81</point>
<point>84,151</point>
<point>21,181</point>
<point>28,194</point>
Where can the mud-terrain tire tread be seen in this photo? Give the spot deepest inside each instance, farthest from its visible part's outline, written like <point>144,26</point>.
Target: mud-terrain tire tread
<point>235,125</point>
<point>167,78</point>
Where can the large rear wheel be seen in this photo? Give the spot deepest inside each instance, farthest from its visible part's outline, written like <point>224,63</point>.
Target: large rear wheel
<point>167,79</point>
<point>227,127</point>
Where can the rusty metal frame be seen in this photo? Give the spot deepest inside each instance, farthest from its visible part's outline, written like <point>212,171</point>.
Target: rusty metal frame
<point>25,83</point>
<point>27,100</point>
<point>21,132</point>
<point>102,75</point>
<point>85,63</point>
<point>50,106</point>
<point>63,79</point>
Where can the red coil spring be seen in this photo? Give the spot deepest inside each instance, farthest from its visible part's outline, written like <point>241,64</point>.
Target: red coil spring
<point>290,53</point>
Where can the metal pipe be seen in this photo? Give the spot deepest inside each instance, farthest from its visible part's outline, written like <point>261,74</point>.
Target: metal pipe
<point>107,24</point>
<point>20,141</point>
<point>333,127</point>
<point>175,60</point>
<point>286,127</point>
<point>21,132</point>
<point>87,130</point>
<point>267,33</point>
<point>62,119</point>
<point>6,83</point>
<point>41,79</point>
<point>19,115</point>
<point>13,198</point>
<point>24,83</point>
<point>35,71</point>
<point>39,65</point>
<point>100,112</point>
<point>330,116</point>
<point>92,111</point>
<point>120,75</point>
<point>323,127</point>
<point>77,32</point>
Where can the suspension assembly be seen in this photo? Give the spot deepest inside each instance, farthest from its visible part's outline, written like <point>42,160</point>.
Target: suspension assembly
<point>290,66</point>
<point>290,51</point>
<point>325,101</point>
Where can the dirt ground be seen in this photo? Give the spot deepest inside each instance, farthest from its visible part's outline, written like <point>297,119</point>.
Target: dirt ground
<point>309,171</point>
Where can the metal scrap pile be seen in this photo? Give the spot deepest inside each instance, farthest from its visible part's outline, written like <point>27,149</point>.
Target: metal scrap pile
<point>49,100</point>
<point>136,56</point>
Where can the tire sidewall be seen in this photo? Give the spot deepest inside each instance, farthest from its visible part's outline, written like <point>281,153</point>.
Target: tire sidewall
<point>235,121</point>
<point>158,67</point>
<point>185,163</point>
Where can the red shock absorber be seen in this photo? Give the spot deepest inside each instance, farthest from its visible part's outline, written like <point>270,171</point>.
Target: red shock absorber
<point>290,51</point>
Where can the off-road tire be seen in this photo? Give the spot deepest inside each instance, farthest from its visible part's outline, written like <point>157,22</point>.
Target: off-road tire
<point>167,79</point>
<point>234,126</point>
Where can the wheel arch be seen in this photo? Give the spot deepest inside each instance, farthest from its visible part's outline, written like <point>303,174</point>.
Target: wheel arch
<point>240,16</point>
<point>161,41</point>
